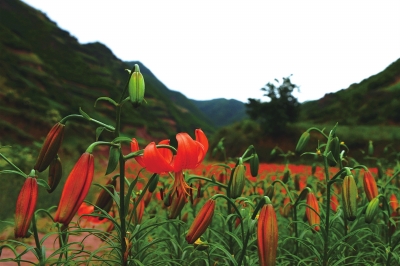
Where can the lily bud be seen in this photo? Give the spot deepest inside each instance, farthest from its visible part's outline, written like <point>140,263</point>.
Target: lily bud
<point>334,203</point>
<point>254,165</point>
<point>267,235</point>
<point>269,192</point>
<point>334,148</point>
<point>372,209</point>
<point>370,187</point>
<point>139,211</point>
<point>201,222</point>
<point>104,201</point>
<point>55,174</point>
<point>154,183</point>
<point>394,203</point>
<point>50,147</point>
<point>25,208</point>
<point>370,148</point>
<point>76,189</point>
<point>238,181</point>
<point>286,176</point>
<point>136,87</point>
<point>313,214</point>
<point>349,197</point>
<point>302,143</point>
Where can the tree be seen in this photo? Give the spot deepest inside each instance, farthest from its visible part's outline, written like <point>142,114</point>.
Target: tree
<point>281,109</point>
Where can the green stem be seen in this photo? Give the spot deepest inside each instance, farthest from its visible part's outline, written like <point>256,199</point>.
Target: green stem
<point>37,242</point>
<point>13,165</point>
<point>122,213</point>
<point>328,198</point>
<point>73,116</point>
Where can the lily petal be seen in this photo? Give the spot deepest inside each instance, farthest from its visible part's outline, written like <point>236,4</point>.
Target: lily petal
<point>154,160</point>
<point>187,156</point>
<point>134,148</point>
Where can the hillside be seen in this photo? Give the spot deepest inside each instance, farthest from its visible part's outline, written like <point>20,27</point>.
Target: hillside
<point>45,74</point>
<point>222,112</point>
<point>373,101</point>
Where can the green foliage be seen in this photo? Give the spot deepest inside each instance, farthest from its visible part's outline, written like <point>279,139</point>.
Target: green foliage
<point>281,109</point>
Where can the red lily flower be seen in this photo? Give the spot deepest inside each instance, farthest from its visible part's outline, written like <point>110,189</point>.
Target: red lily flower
<point>190,153</point>
<point>76,189</point>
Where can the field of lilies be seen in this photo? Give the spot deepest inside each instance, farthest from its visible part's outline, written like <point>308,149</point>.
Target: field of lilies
<point>166,205</point>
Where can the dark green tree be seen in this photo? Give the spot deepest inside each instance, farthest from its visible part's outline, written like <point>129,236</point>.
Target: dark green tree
<point>281,109</point>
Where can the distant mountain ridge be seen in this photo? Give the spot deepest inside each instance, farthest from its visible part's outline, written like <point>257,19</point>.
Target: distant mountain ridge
<point>222,112</point>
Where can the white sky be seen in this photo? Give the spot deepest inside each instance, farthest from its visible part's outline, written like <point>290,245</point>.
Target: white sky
<point>230,49</point>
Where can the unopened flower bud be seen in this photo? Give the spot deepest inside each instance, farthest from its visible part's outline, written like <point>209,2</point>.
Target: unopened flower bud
<point>201,222</point>
<point>238,181</point>
<point>372,210</point>
<point>349,197</point>
<point>136,87</point>
<point>302,143</point>
<point>55,174</point>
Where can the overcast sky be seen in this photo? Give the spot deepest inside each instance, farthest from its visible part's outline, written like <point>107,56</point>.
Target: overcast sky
<point>230,49</point>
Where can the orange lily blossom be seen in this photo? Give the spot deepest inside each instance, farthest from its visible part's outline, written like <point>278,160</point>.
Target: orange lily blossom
<point>190,153</point>
<point>312,214</point>
<point>76,189</point>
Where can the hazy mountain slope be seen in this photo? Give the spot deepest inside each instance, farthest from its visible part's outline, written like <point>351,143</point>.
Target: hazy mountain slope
<point>222,112</point>
<point>45,74</point>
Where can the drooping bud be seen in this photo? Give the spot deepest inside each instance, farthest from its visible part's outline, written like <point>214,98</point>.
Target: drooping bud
<point>302,143</point>
<point>312,214</point>
<point>55,174</point>
<point>201,221</point>
<point>267,235</point>
<point>372,210</point>
<point>349,197</point>
<point>25,207</point>
<point>394,203</point>
<point>370,187</point>
<point>104,201</point>
<point>136,87</point>
<point>269,192</point>
<point>238,181</point>
<point>76,189</point>
<point>50,147</point>
<point>254,165</point>
<point>286,176</point>
<point>154,183</point>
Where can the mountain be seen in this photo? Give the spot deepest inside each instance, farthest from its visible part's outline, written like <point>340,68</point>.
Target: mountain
<point>373,101</point>
<point>222,112</point>
<point>45,74</point>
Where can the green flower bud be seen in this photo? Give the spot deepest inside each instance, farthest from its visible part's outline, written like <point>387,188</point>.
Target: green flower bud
<point>372,210</point>
<point>370,148</point>
<point>136,87</point>
<point>302,143</point>
<point>238,181</point>
<point>254,164</point>
<point>349,197</point>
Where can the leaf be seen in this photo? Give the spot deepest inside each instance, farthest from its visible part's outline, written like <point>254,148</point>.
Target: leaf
<point>85,115</point>
<point>43,183</point>
<point>106,99</point>
<point>113,159</point>
<point>99,130</point>
<point>12,172</point>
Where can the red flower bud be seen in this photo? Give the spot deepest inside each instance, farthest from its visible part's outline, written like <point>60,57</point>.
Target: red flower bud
<point>76,189</point>
<point>334,203</point>
<point>55,174</point>
<point>313,215</point>
<point>179,199</point>
<point>394,202</point>
<point>201,222</point>
<point>370,187</point>
<point>267,236</point>
<point>25,207</point>
<point>50,147</point>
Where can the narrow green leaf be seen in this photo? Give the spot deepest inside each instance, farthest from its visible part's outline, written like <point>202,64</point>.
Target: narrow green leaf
<point>113,159</point>
<point>85,115</point>
<point>13,172</point>
<point>43,183</point>
<point>99,130</point>
<point>106,99</point>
